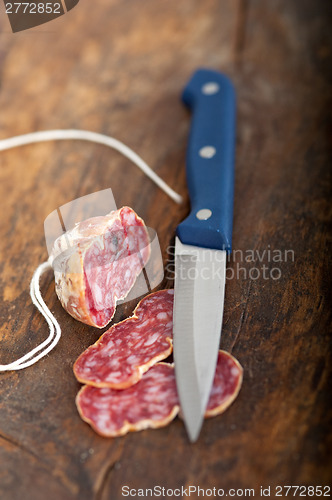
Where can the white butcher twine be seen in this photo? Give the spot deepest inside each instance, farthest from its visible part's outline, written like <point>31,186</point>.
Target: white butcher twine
<point>54,135</point>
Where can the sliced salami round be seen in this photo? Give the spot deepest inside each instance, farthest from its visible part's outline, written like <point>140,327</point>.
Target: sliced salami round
<point>128,349</point>
<point>97,262</point>
<point>226,385</point>
<point>153,401</point>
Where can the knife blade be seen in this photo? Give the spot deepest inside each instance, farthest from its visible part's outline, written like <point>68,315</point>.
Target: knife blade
<point>202,242</point>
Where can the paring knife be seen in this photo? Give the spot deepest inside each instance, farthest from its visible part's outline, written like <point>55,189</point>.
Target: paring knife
<point>202,242</point>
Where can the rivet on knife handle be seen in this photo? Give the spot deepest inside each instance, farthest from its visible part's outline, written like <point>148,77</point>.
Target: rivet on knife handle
<point>210,161</point>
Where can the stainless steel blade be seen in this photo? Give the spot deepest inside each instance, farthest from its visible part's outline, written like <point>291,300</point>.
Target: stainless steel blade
<point>198,309</point>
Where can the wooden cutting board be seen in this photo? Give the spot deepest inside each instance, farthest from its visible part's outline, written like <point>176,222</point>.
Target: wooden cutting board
<point>119,68</point>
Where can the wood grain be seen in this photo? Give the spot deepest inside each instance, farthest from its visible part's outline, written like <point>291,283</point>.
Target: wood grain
<point>119,68</point>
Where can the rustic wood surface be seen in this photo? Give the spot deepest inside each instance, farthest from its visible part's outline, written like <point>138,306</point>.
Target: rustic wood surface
<point>118,68</point>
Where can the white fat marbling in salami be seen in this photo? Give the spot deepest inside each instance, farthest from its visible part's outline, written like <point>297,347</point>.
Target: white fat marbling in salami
<point>97,262</point>
<point>128,349</point>
<point>153,401</point>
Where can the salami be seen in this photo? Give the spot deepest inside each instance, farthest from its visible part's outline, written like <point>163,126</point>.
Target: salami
<point>128,349</point>
<point>153,401</point>
<point>97,262</point>
<point>226,385</point>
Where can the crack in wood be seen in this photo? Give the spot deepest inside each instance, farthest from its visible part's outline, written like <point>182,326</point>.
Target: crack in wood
<point>58,475</point>
<point>19,445</point>
<point>243,316</point>
<point>240,29</point>
<point>44,464</point>
<point>104,479</point>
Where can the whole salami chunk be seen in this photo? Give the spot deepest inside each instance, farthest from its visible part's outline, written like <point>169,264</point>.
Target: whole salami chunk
<point>127,350</point>
<point>97,262</point>
<point>153,401</point>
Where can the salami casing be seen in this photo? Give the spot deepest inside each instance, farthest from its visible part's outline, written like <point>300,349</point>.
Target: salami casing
<point>153,401</point>
<point>128,349</point>
<point>97,262</point>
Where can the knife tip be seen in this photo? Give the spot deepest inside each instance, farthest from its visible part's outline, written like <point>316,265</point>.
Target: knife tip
<point>193,430</point>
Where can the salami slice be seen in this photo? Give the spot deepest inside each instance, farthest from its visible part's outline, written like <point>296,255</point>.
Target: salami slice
<point>128,349</point>
<point>97,262</point>
<point>153,401</point>
<point>226,385</point>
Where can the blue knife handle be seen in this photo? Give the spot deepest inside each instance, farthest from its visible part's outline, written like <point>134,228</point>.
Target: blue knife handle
<point>210,161</point>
